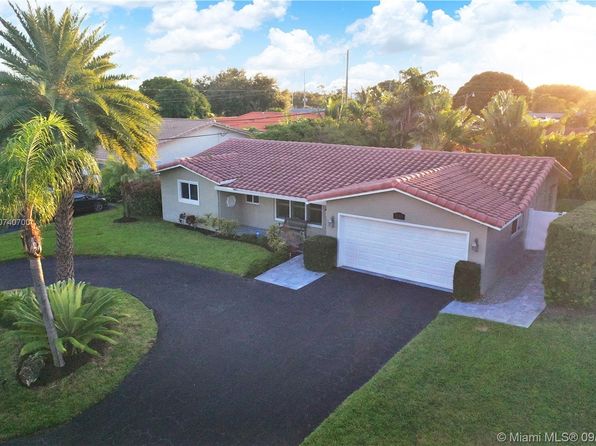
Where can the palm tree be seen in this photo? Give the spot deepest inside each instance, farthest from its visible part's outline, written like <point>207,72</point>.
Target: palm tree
<point>56,65</point>
<point>445,128</point>
<point>506,126</point>
<point>37,164</point>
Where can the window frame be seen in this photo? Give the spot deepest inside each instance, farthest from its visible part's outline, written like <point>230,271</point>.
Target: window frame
<point>252,200</point>
<point>306,212</point>
<point>519,225</point>
<point>189,200</point>
<point>314,225</point>
<point>275,210</point>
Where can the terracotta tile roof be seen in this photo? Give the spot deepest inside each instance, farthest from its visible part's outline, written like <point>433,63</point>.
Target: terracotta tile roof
<point>488,188</point>
<point>262,120</point>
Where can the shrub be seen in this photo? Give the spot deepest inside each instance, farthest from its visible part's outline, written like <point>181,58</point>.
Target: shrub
<point>570,264</point>
<point>81,314</point>
<point>111,177</point>
<point>144,197</point>
<point>261,265</point>
<point>275,241</point>
<point>227,228</point>
<point>320,253</point>
<point>466,281</point>
<point>8,299</point>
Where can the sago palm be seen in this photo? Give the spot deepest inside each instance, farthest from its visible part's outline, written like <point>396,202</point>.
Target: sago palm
<point>57,65</point>
<point>37,165</point>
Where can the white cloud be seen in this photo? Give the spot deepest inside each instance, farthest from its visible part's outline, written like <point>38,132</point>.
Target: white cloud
<point>184,27</point>
<point>539,44</point>
<point>292,52</point>
<point>364,75</point>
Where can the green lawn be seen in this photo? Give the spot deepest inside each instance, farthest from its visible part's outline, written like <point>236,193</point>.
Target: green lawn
<point>97,234</point>
<point>461,381</point>
<point>23,411</point>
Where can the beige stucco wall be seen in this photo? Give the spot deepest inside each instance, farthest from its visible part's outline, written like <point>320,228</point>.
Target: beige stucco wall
<point>260,215</point>
<point>503,249</point>
<point>172,208</point>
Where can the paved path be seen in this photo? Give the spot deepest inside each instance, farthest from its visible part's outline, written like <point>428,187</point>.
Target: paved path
<point>291,274</point>
<point>517,299</point>
<point>237,361</point>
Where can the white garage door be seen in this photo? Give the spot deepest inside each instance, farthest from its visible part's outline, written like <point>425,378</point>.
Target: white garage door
<point>420,254</point>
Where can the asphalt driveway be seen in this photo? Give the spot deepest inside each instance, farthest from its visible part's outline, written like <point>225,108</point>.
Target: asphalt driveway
<point>237,361</point>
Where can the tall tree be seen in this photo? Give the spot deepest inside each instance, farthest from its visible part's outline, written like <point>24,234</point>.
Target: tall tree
<point>478,91</point>
<point>36,166</point>
<point>506,126</point>
<point>445,129</point>
<point>176,99</point>
<point>405,102</point>
<point>232,92</point>
<point>56,65</point>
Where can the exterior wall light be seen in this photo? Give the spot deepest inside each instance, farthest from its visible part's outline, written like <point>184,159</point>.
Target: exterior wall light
<point>331,222</point>
<point>475,245</point>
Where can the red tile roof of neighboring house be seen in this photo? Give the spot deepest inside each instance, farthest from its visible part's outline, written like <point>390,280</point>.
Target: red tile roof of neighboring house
<point>488,188</point>
<point>261,120</point>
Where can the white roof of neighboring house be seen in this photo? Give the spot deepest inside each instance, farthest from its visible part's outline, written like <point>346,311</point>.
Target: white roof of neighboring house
<point>547,116</point>
<point>173,129</point>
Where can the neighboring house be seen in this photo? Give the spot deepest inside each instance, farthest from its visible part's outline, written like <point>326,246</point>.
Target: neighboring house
<point>180,137</point>
<point>407,214</point>
<point>262,120</point>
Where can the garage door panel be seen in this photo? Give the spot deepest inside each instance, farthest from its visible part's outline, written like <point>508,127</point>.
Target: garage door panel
<point>410,252</point>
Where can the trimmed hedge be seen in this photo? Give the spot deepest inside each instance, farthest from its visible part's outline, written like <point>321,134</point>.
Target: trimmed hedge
<point>466,281</point>
<point>144,197</point>
<point>570,263</point>
<point>320,253</point>
<point>260,266</point>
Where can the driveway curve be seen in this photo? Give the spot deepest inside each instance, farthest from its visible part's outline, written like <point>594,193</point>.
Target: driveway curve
<point>237,361</point>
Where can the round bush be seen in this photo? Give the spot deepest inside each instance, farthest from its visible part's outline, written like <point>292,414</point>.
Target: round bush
<point>320,253</point>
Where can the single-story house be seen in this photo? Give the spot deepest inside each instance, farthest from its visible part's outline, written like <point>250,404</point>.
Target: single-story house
<point>406,214</point>
<point>179,137</point>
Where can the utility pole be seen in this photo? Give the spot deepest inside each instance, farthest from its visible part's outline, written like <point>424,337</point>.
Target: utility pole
<point>304,92</point>
<point>347,71</point>
<point>345,98</point>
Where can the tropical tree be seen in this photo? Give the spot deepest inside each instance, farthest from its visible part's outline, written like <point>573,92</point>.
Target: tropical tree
<point>446,129</point>
<point>506,126</point>
<point>232,92</point>
<point>176,99</point>
<point>403,106</point>
<point>37,166</point>
<point>56,65</point>
<point>479,90</point>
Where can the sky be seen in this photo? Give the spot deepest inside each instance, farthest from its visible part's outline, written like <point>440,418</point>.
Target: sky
<point>305,42</point>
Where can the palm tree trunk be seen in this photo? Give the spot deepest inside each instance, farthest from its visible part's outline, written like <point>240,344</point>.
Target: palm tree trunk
<point>64,238</point>
<point>32,244</point>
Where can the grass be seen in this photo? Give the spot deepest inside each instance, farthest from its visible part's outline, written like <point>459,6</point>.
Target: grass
<point>97,234</point>
<point>568,204</point>
<point>24,411</point>
<point>461,381</point>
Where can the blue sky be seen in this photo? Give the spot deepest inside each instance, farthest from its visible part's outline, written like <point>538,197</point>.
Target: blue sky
<point>538,42</point>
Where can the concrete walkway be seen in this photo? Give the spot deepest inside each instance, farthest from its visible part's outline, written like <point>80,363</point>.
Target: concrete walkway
<point>291,274</point>
<point>518,299</point>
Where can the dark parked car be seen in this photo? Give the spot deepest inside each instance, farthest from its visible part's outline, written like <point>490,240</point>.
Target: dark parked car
<point>88,203</point>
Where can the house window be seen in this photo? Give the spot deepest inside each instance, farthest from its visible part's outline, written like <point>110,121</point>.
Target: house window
<point>252,199</point>
<point>516,225</point>
<point>188,192</point>
<point>298,210</point>
<point>315,214</point>
<point>282,209</point>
